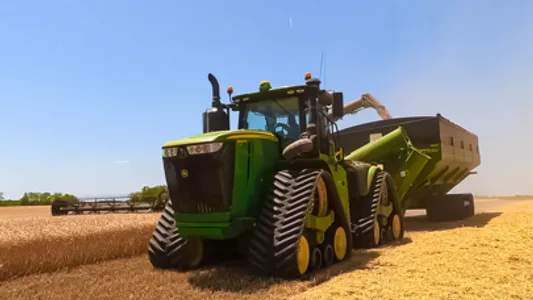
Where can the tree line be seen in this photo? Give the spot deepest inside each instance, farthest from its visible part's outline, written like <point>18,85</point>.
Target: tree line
<point>147,193</point>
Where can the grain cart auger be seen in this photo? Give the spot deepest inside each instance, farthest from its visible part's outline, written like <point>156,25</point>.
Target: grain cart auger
<point>366,101</point>
<point>277,190</point>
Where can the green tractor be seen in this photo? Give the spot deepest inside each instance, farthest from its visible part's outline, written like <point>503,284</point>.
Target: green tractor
<point>279,189</point>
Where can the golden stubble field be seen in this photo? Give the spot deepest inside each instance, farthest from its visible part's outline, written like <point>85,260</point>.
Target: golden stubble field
<point>489,256</point>
<point>12,212</point>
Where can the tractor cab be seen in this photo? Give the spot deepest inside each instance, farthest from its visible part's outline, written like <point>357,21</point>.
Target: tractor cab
<point>281,111</point>
<point>291,112</point>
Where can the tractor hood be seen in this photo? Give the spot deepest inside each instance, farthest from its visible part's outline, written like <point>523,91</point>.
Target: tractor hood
<point>219,136</point>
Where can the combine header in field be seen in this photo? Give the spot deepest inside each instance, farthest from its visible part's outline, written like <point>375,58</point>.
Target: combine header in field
<point>102,205</point>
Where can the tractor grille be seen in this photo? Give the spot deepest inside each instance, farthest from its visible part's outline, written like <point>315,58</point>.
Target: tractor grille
<point>208,185</point>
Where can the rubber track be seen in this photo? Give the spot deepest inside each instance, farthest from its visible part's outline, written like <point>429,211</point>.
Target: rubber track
<point>166,240</point>
<point>273,246</point>
<point>366,223</point>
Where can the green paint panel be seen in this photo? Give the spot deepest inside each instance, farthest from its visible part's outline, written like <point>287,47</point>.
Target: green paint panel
<point>370,177</point>
<point>217,231</point>
<point>217,136</point>
<point>255,161</point>
<point>340,178</point>
<point>203,218</point>
<point>320,223</point>
<point>254,172</point>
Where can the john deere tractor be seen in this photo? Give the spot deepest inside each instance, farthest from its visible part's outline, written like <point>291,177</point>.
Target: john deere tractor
<point>279,190</point>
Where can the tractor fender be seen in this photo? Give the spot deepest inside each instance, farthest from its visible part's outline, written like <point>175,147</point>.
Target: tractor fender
<point>335,202</point>
<point>297,147</point>
<point>372,172</point>
<point>393,192</point>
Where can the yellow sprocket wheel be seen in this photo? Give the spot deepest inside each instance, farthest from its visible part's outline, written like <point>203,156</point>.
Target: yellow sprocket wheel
<point>321,198</point>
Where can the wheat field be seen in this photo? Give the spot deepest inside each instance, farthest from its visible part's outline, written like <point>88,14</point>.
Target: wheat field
<point>488,256</point>
<point>44,244</point>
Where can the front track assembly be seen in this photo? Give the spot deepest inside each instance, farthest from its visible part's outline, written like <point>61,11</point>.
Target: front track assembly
<point>169,250</point>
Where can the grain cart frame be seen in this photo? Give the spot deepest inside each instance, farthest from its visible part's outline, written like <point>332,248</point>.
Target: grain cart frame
<point>286,199</point>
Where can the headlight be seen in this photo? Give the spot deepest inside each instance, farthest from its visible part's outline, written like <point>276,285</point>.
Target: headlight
<point>203,148</point>
<point>170,152</point>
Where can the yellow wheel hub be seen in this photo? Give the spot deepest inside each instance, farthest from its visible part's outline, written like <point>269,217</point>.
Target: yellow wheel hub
<point>377,232</point>
<point>339,243</point>
<point>396,226</point>
<point>303,255</point>
<point>321,202</point>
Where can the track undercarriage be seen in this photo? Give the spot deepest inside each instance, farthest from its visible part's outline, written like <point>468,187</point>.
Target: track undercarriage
<point>283,243</point>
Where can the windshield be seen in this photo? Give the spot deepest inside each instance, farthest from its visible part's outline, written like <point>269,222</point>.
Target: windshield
<point>279,116</point>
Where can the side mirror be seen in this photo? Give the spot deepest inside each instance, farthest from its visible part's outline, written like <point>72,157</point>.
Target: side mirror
<point>338,105</point>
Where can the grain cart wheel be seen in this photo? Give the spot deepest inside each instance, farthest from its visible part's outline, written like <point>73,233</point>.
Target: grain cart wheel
<point>278,246</point>
<point>468,201</point>
<point>450,207</point>
<point>168,250</point>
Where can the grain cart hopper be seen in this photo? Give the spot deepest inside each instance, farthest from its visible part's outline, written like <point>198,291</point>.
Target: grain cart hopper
<point>278,190</point>
<point>454,153</point>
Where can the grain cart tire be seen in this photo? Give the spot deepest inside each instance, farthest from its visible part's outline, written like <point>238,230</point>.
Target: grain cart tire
<point>452,207</point>
<point>56,208</point>
<point>168,250</point>
<point>278,246</point>
<point>469,205</point>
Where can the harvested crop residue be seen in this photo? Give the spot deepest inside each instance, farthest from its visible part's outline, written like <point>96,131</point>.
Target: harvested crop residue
<point>9,212</point>
<point>491,261</point>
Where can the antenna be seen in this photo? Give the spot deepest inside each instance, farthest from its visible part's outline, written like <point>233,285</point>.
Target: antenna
<point>324,66</point>
<point>322,69</point>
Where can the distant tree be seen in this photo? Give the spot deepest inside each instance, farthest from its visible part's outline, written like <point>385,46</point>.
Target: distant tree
<point>2,196</point>
<point>135,197</point>
<point>25,200</point>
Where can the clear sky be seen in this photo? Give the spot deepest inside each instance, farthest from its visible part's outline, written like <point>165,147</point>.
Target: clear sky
<point>90,90</point>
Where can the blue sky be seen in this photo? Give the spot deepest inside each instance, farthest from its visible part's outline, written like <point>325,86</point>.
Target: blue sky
<point>89,90</point>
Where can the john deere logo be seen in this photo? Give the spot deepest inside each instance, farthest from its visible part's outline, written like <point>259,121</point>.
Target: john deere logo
<point>184,173</point>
